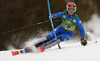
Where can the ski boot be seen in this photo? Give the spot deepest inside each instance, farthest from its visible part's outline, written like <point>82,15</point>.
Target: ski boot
<point>27,49</point>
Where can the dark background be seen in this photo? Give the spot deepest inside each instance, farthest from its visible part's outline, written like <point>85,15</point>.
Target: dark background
<point>20,13</point>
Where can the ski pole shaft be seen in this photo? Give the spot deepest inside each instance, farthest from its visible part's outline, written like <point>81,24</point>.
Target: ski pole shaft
<point>52,24</point>
<point>26,26</point>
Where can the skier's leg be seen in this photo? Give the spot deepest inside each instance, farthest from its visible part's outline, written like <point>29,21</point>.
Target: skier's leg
<point>49,44</point>
<point>52,43</point>
<point>51,36</point>
<point>41,42</point>
<point>35,45</point>
<point>44,40</point>
<point>66,36</point>
<point>48,38</point>
<point>62,37</point>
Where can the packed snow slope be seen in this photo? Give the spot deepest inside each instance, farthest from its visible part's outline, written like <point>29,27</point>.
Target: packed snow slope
<point>70,51</point>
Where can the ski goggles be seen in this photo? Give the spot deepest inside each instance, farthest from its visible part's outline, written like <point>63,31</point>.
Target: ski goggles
<point>73,9</point>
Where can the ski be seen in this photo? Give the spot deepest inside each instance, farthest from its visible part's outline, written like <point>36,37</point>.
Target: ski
<point>40,49</point>
<point>91,42</point>
<point>17,52</point>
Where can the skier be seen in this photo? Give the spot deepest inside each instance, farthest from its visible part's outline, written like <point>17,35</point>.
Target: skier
<point>64,32</point>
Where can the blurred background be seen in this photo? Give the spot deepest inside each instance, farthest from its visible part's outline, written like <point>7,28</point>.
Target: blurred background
<point>20,13</point>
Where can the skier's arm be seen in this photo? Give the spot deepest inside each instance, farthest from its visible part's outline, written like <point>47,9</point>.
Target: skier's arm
<point>80,26</point>
<point>56,16</point>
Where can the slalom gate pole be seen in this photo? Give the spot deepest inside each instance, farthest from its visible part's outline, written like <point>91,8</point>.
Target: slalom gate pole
<point>52,24</point>
<point>26,26</point>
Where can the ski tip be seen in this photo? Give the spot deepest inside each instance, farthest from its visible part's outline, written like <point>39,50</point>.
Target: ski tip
<point>15,53</point>
<point>95,41</point>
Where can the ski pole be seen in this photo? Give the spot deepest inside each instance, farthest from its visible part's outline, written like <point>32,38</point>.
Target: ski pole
<point>26,26</point>
<point>52,23</point>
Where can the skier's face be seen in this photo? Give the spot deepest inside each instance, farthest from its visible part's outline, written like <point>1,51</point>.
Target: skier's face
<point>70,12</point>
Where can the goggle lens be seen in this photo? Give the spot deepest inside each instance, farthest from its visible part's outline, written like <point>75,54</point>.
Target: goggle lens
<point>73,9</point>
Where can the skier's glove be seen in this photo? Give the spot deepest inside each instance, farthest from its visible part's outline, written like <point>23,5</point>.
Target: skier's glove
<point>83,42</point>
<point>55,18</point>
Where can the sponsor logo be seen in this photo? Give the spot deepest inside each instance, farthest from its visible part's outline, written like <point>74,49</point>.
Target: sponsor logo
<point>72,28</point>
<point>65,39</point>
<point>79,21</point>
<point>74,20</point>
<point>68,22</point>
<point>68,37</point>
<point>51,34</point>
<point>55,29</point>
<point>64,16</point>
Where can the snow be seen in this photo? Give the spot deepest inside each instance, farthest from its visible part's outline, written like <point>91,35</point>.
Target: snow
<point>70,51</point>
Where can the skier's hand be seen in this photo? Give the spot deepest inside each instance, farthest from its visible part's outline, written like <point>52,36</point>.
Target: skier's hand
<point>55,18</point>
<point>83,42</point>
